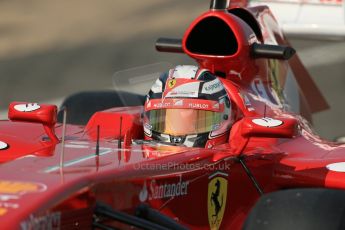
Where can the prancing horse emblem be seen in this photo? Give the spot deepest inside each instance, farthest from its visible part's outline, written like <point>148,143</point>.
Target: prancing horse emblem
<point>171,83</point>
<point>215,200</point>
<point>217,193</point>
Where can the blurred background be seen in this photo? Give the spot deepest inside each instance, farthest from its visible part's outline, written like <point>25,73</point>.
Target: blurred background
<point>51,49</point>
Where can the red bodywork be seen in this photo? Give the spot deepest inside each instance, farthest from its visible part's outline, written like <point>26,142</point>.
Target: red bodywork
<point>37,191</point>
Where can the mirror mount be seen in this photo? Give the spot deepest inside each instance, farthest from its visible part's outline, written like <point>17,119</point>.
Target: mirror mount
<point>35,113</point>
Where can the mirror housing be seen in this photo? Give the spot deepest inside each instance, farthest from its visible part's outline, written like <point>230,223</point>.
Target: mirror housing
<point>264,127</point>
<point>268,127</point>
<point>35,113</point>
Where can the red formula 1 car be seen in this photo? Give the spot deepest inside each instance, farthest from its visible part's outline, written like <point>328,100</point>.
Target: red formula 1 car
<point>270,172</point>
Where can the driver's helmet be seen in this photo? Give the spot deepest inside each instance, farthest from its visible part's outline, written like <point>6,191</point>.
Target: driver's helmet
<point>188,106</point>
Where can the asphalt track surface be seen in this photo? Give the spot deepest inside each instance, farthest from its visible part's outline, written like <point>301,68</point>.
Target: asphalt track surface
<point>49,50</point>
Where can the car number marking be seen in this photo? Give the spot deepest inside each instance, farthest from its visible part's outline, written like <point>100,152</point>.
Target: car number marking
<point>27,107</point>
<point>336,167</point>
<point>267,122</point>
<point>3,145</point>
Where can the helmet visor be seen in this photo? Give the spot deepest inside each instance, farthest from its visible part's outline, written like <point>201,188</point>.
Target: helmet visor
<point>183,121</point>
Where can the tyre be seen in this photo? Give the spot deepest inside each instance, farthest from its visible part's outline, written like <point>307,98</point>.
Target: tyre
<point>295,209</point>
<point>81,106</point>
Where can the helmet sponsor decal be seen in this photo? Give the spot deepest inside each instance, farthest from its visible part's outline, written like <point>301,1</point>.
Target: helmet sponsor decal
<point>27,107</point>
<point>216,198</point>
<point>267,122</point>
<point>184,104</point>
<point>185,71</point>
<point>171,83</point>
<point>148,129</point>
<point>163,190</point>
<point>178,103</point>
<point>182,94</point>
<point>190,89</point>
<point>3,145</point>
<point>212,87</point>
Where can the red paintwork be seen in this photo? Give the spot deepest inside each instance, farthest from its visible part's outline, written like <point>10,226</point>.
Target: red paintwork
<point>34,190</point>
<point>45,115</point>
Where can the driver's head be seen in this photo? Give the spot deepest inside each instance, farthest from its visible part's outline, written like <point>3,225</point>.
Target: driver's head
<point>188,106</point>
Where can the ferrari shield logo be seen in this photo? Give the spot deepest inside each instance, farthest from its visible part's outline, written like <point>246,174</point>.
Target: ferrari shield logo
<point>171,83</point>
<point>216,199</point>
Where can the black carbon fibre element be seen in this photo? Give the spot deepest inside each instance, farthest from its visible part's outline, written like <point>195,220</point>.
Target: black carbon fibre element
<point>146,212</point>
<point>219,4</point>
<point>106,211</point>
<point>171,45</point>
<point>272,51</point>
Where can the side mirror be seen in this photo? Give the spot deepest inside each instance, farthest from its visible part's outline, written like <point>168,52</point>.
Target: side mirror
<point>35,113</point>
<point>260,127</point>
<point>268,127</point>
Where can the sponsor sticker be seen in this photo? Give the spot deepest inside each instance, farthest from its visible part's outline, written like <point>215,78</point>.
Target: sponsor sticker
<point>237,74</point>
<point>182,94</point>
<point>198,106</point>
<point>170,103</point>
<point>268,122</point>
<point>14,189</point>
<point>3,145</point>
<point>178,103</point>
<point>9,205</point>
<point>216,199</point>
<point>171,83</point>
<point>336,167</point>
<point>49,221</point>
<point>162,190</point>
<point>27,107</point>
<point>6,206</point>
<point>212,87</point>
<point>3,211</point>
<point>185,90</point>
